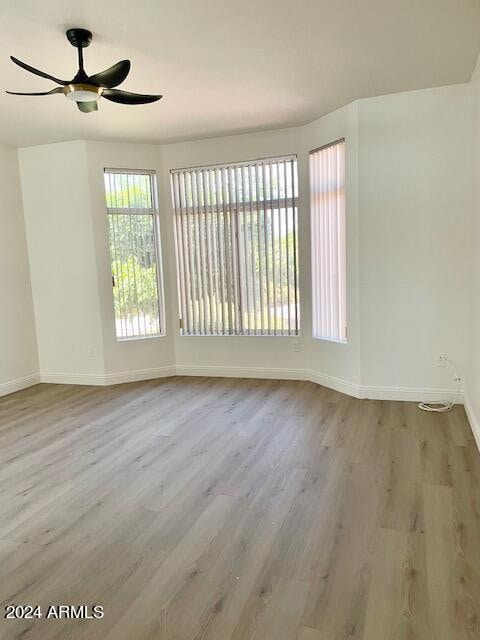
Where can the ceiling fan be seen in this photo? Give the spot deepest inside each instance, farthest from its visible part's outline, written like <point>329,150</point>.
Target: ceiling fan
<point>86,90</point>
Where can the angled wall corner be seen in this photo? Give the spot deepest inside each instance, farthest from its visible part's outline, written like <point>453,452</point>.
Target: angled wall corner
<point>60,243</point>
<point>18,343</point>
<point>472,386</point>
<point>415,188</point>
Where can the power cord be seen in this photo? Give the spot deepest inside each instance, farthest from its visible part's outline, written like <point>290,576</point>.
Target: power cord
<point>444,406</point>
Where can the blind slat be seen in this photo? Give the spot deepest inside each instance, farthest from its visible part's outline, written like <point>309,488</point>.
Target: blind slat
<point>221,255</point>
<point>253,249</point>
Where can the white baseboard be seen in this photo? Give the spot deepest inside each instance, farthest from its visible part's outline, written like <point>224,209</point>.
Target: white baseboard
<point>102,380</point>
<point>337,384</point>
<point>141,374</point>
<point>20,383</point>
<point>274,374</point>
<point>93,380</point>
<point>410,394</point>
<point>473,420</point>
<point>271,374</point>
<point>240,372</point>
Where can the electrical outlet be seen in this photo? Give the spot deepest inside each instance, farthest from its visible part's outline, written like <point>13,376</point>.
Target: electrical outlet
<point>442,360</point>
<point>296,345</point>
<point>90,352</point>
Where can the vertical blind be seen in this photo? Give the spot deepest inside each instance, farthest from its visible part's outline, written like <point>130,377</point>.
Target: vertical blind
<point>134,251</point>
<point>237,247</point>
<point>327,193</point>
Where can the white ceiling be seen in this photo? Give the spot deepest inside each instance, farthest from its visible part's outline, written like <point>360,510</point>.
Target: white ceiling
<point>225,66</point>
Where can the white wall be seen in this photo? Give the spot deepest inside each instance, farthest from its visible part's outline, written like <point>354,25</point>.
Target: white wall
<point>61,249</point>
<point>408,203</point>
<point>473,375</point>
<point>415,201</point>
<point>18,349</point>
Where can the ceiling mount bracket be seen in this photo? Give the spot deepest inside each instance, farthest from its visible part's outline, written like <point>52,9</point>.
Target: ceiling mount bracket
<point>79,38</point>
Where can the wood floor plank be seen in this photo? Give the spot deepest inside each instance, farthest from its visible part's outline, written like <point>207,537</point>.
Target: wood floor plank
<point>401,501</point>
<point>219,509</point>
<point>462,435</point>
<point>368,439</point>
<point>435,442</point>
<point>397,606</point>
<point>337,598</point>
<point>279,614</point>
<point>307,535</point>
<point>453,575</point>
<point>307,633</point>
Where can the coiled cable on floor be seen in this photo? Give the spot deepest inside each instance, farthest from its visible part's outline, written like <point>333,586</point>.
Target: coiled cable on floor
<point>444,406</point>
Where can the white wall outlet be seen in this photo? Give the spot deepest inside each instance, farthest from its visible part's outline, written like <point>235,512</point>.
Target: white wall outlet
<point>296,345</point>
<point>442,360</point>
<point>90,352</point>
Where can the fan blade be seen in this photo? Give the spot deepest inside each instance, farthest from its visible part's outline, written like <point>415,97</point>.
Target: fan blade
<point>113,76</point>
<point>37,72</point>
<point>87,107</point>
<point>40,93</point>
<point>125,97</point>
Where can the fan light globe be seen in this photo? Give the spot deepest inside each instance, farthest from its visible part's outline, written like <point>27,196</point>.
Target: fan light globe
<point>83,96</point>
<point>82,92</point>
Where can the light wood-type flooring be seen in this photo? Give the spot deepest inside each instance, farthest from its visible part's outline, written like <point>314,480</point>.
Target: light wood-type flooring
<point>224,509</point>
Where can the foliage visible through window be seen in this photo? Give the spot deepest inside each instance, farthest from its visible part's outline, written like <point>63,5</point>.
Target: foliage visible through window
<point>236,248</point>
<point>134,240</point>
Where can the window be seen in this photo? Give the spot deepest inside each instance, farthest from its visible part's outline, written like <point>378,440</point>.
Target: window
<point>236,248</point>
<point>327,193</point>
<point>134,251</point>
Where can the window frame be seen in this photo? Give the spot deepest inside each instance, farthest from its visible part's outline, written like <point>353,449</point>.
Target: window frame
<point>157,240</point>
<point>270,203</point>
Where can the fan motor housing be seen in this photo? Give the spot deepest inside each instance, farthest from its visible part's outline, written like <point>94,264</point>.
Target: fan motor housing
<point>79,38</point>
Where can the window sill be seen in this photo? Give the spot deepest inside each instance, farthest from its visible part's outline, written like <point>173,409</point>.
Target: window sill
<point>140,338</point>
<point>330,340</point>
<point>240,335</point>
